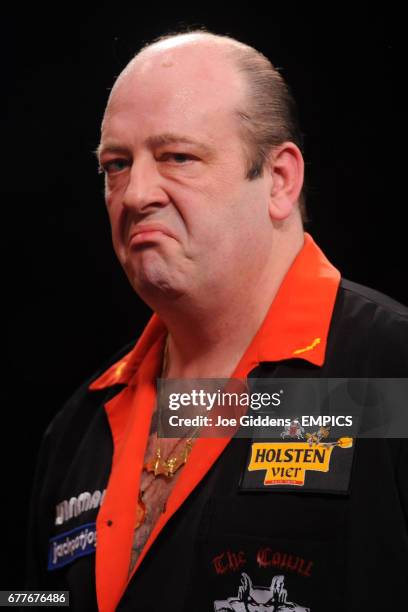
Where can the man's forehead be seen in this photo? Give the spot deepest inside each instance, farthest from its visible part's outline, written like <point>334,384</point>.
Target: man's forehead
<point>180,75</point>
<point>188,91</point>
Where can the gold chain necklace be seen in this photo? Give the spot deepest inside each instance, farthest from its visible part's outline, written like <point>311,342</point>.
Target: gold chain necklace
<point>168,467</point>
<point>158,465</point>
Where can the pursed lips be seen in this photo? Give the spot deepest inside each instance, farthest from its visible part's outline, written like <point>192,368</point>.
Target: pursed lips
<point>148,232</point>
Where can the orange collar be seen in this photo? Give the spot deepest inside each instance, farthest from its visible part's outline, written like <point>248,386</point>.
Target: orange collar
<point>296,326</point>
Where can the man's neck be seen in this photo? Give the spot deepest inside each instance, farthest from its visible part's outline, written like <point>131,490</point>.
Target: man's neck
<point>208,338</point>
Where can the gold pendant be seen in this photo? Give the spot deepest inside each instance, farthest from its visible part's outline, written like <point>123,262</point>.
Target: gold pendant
<point>168,467</point>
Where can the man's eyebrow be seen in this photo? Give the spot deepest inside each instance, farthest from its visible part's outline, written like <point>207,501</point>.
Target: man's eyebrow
<point>111,147</point>
<point>169,138</point>
<point>152,142</point>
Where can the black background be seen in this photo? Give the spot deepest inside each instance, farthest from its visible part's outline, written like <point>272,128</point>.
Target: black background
<point>67,305</point>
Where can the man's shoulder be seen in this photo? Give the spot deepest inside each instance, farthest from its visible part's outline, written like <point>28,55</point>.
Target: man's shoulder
<point>367,309</point>
<point>360,295</point>
<point>83,405</point>
<point>369,331</point>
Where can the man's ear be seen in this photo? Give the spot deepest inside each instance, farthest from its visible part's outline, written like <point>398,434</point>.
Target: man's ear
<point>286,166</point>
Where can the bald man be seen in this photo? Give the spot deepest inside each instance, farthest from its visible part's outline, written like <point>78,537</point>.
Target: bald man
<point>203,168</point>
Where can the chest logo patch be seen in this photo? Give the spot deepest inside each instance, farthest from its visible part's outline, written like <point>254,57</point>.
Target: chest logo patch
<point>252,598</point>
<point>287,464</point>
<point>73,507</point>
<point>70,545</point>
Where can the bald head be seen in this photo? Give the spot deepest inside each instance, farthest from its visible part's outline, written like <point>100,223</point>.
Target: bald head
<point>193,68</point>
<point>237,75</point>
<point>202,48</point>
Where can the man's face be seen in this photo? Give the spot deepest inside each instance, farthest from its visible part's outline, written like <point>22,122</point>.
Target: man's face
<point>185,220</point>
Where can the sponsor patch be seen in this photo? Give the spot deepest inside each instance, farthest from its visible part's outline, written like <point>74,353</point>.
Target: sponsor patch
<point>299,466</point>
<point>70,545</point>
<point>76,505</point>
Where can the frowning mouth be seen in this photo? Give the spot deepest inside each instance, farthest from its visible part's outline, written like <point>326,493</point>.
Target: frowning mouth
<point>149,232</point>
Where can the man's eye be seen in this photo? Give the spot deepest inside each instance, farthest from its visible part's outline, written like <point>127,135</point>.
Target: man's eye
<point>113,166</point>
<point>178,158</point>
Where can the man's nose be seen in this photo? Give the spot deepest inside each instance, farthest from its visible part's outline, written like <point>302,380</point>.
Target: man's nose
<point>145,188</point>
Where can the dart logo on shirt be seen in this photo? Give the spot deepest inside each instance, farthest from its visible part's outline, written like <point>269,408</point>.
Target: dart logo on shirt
<point>287,464</point>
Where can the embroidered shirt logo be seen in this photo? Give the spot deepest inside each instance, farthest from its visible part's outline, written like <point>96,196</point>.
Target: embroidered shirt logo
<point>309,347</point>
<point>68,546</point>
<point>286,464</point>
<point>75,506</point>
<point>294,430</point>
<point>257,598</point>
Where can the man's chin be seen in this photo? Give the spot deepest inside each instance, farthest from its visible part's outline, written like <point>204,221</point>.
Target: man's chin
<point>153,284</point>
